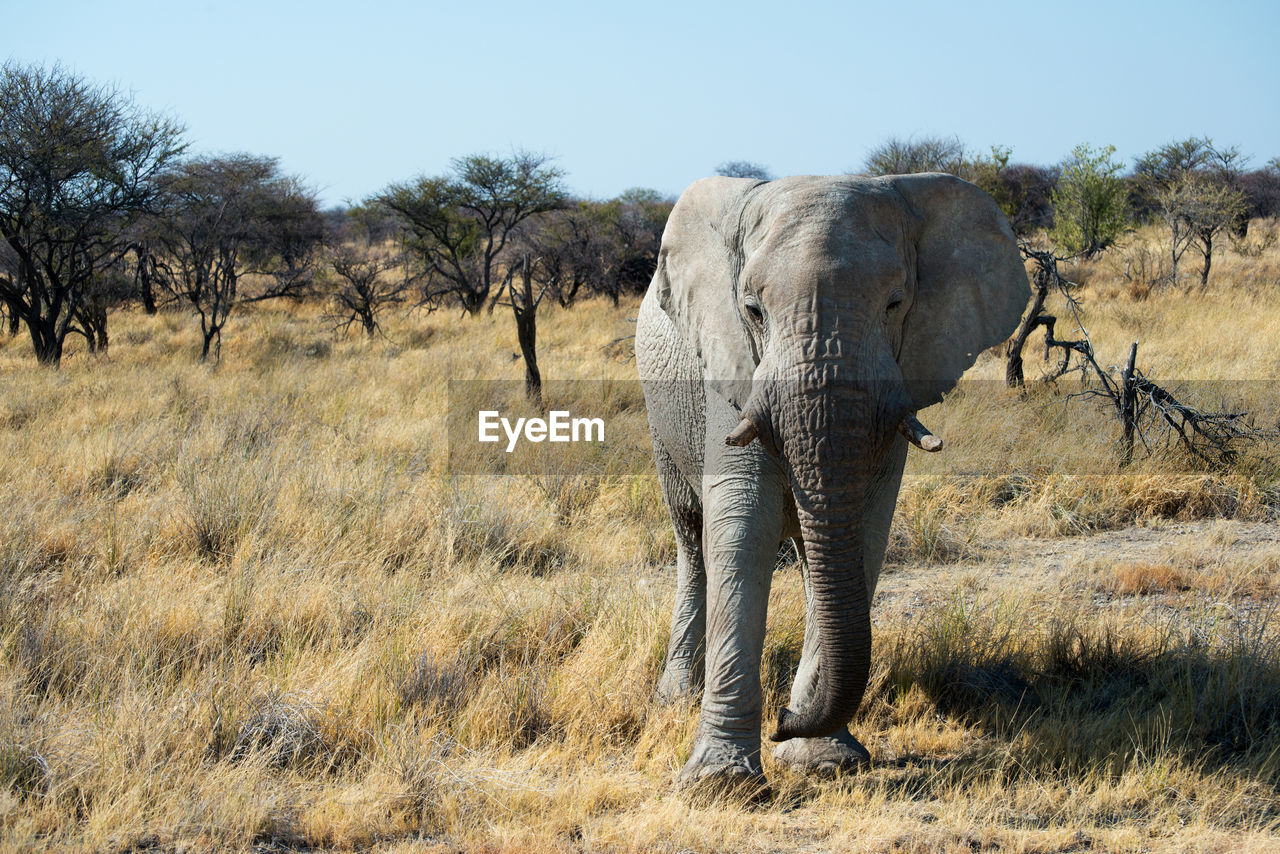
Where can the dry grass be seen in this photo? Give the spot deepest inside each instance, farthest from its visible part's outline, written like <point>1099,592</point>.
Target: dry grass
<point>249,605</point>
<point>1216,574</point>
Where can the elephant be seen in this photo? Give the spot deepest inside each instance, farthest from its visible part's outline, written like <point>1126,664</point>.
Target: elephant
<point>790,333</point>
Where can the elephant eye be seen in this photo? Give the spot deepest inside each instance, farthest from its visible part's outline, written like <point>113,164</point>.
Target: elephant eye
<point>895,302</point>
<point>753,309</point>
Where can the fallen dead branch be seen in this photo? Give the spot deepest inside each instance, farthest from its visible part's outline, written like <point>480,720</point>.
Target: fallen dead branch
<point>1147,412</point>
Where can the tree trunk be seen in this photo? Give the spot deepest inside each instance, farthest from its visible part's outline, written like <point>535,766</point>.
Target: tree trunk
<point>148,296</point>
<point>1206,246</point>
<point>145,289</point>
<point>527,332</point>
<point>93,317</point>
<point>1127,407</point>
<point>46,342</point>
<point>1013,366</point>
<point>525,308</point>
<point>212,341</point>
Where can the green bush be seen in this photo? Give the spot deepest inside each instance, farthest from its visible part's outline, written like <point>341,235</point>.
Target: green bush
<point>1089,203</point>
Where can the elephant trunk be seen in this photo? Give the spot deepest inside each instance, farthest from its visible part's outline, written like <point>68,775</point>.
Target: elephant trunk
<point>827,431</point>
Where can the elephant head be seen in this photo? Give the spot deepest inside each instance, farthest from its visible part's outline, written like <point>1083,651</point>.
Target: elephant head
<point>827,311</point>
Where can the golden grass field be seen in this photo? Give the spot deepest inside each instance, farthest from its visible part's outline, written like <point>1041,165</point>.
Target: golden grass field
<point>247,605</point>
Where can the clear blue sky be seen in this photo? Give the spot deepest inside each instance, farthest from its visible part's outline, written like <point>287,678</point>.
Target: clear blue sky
<point>353,95</point>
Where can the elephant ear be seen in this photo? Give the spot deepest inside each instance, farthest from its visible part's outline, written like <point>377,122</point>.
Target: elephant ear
<point>696,281</point>
<point>971,288</point>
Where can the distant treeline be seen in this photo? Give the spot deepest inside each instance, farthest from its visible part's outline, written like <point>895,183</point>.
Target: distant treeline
<point>103,206</point>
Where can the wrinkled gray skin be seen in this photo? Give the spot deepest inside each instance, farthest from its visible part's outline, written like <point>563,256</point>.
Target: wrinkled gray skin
<point>822,310</point>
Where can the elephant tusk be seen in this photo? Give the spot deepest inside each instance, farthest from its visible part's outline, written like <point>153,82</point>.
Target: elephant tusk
<point>742,434</point>
<point>918,434</point>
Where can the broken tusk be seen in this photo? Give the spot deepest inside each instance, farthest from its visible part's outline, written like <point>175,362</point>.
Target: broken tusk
<point>742,434</point>
<point>918,434</point>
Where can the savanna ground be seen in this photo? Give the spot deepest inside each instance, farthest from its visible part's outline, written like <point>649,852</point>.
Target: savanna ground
<point>249,605</point>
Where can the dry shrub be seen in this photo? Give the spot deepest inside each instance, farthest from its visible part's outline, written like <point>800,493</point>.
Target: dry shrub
<point>17,414</point>
<point>621,349</point>
<point>1055,505</point>
<point>24,770</point>
<point>488,524</point>
<point>1191,497</point>
<point>288,730</point>
<point>962,657</point>
<point>229,477</point>
<point>1258,578</point>
<point>523,700</point>
<point>223,508</point>
<point>50,656</point>
<point>1140,579</point>
<point>249,632</point>
<point>929,522</point>
<point>1084,271</point>
<point>22,554</point>
<point>416,337</point>
<point>509,708</point>
<point>116,471</point>
<point>569,496</point>
<point>1262,236</point>
<point>284,344</point>
<point>1142,268</point>
<point>443,685</point>
<point>603,685</point>
<point>783,644</point>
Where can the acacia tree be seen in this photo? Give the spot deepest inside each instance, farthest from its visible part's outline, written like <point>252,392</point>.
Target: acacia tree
<point>525,285</point>
<point>575,250</point>
<point>147,270</point>
<point>463,221</point>
<point>1089,207</point>
<point>1223,202</point>
<point>77,163</point>
<point>632,226</point>
<point>743,169</point>
<point>555,254</point>
<point>110,288</point>
<point>897,156</point>
<point>364,264</point>
<point>364,285</point>
<point>1262,194</point>
<point>601,247</point>
<point>230,217</point>
<point>1195,189</point>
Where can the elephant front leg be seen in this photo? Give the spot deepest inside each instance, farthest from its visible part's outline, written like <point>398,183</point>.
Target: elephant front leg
<point>740,538</point>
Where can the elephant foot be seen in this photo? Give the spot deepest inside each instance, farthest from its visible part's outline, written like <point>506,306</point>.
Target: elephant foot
<point>827,756</point>
<point>676,685</point>
<point>724,769</point>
